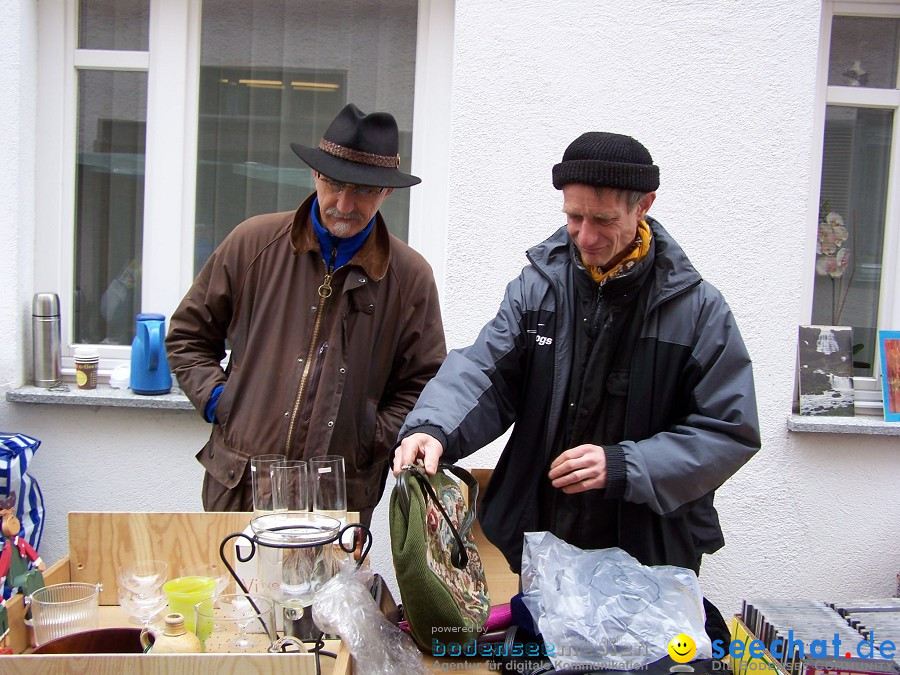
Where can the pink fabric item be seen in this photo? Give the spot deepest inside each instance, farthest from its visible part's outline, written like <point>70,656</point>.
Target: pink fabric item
<point>500,617</point>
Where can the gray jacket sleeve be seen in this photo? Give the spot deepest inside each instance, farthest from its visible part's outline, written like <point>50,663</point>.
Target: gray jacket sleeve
<point>472,398</point>
<point>720,431</point>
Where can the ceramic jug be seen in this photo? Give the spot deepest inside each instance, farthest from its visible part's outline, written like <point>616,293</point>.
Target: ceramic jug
<point>173,639</point>
<point>149,367</point>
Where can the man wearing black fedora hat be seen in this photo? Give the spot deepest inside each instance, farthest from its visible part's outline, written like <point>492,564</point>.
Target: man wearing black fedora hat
<point>622,370</point>
<point>334,325</point>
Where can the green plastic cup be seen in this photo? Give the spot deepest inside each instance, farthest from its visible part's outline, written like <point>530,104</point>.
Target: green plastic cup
<point>185,592</point>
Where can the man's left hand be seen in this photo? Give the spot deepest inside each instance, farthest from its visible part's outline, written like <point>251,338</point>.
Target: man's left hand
<point>579,469</point>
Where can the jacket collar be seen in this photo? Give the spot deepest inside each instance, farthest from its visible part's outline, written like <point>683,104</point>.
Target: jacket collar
<point>673,271</point>
<point>373,256</point>
<point>616,289</point>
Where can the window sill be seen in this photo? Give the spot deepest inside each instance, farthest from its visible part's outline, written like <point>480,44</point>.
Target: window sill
<point>863,425</point>
<point>103,396</point>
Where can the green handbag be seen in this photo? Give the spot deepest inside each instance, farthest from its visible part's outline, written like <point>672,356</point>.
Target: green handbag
<point>439,572</point>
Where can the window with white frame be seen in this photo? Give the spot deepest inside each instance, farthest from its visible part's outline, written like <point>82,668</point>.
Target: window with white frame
<point>165,123</point>
<point>857,230</point>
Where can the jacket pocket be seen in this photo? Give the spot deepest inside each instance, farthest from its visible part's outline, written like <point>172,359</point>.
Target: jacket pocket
<point>224,463</point>
<point>617,382</point>
<point>226,398</point>
<point>367,438</point>
<point>703,520</point>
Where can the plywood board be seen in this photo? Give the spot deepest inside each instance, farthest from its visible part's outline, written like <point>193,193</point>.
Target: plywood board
<point>101,541</point>
<point>163,664</point>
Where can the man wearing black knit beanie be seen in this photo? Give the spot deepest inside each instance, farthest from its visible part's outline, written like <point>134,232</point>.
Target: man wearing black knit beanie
<point>622,370</point>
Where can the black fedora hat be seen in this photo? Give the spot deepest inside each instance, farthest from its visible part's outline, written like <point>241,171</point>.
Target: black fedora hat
<point>360,149</point>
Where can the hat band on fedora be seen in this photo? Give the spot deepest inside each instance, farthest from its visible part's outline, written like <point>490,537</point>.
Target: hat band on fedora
<point>386,161</point>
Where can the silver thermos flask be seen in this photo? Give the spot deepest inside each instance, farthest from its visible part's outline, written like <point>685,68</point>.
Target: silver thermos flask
<point>45,329</point>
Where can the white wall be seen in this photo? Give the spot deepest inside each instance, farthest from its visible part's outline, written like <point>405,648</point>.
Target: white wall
<point>721,93</point>
<point>17,105</point>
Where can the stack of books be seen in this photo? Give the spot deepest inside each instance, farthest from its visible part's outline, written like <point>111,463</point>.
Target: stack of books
<point>868,397</point>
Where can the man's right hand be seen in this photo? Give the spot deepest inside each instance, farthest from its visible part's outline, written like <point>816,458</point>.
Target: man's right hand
<point>417,446</point>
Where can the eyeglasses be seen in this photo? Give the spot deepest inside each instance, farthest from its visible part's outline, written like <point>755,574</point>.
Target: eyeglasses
<point>358,190</point>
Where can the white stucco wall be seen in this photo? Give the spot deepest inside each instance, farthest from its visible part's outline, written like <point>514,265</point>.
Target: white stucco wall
<point>17,83</point>
<point>722,94</point>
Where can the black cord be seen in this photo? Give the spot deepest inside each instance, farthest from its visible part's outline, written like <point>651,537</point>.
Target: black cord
<point>319,651</point>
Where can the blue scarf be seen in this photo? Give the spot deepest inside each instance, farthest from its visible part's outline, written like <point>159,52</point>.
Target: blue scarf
<point>346,248</point>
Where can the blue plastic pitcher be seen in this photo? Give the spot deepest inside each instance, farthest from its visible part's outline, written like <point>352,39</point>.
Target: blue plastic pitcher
<point>149,367</point>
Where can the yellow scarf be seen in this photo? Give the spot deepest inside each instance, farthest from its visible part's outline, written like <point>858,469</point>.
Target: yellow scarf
<point>635,254</point>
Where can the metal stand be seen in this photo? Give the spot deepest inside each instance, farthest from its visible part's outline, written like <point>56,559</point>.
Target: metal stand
<point>300,625</point>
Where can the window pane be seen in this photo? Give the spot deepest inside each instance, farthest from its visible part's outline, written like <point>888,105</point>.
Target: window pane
<point>109,207</point>
<point>275,72</point>
<point>853,200</point>
<point>863,52</point>
<point>113,24</point>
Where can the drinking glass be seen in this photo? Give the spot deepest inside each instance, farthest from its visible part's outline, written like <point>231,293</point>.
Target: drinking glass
<point>329,492</point>
<point>261,482</point>
<point>142,577</point>
<point>142,608</point>
<point>329,487</point>
<point>140,589</point>
<point>236,622</point>
<point>290,486</point>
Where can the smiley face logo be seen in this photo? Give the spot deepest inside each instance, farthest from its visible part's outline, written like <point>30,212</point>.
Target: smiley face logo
<point>682,648</point>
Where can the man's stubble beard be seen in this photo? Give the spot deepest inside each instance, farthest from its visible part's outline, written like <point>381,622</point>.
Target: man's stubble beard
<point>341,228</point>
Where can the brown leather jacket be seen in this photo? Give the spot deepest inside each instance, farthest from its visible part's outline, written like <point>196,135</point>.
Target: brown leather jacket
<point>308,375</point>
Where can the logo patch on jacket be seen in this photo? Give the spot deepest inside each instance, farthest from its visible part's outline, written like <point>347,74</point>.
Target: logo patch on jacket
<point>543,340</point>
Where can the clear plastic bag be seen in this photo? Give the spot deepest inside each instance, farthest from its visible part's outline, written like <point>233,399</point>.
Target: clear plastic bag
<point>604,609</point>
<point>345,606</point>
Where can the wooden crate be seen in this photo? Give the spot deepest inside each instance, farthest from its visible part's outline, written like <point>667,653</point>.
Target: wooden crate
<point>747,664</point>
<point>101,541</point>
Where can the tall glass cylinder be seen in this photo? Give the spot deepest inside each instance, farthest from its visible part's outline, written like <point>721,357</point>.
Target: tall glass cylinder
<point>329,486</point>
<point>290,486</point>
<point>261,482</point>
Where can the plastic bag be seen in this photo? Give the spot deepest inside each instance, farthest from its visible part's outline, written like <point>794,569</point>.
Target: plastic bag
<point>344,606</point>
<point>604,609</point>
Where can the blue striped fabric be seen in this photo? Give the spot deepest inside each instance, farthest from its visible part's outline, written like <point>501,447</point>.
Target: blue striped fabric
<point>16,451</point>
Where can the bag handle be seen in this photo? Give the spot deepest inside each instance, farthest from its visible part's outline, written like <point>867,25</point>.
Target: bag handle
<point>458,555</point>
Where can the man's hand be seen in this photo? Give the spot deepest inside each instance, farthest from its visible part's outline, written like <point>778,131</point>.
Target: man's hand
<point>579,469</point>
<point>415,446</point>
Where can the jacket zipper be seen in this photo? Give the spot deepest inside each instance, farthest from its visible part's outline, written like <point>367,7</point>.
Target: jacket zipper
<point>325,291</point>
<point>594,325</point>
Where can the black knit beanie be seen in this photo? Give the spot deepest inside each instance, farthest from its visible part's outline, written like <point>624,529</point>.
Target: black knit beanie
<point>607,160</point>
